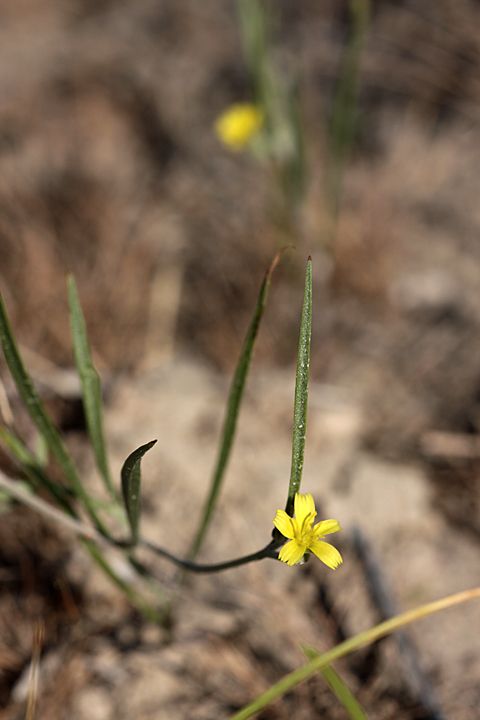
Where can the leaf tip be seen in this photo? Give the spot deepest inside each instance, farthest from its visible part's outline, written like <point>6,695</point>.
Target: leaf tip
<point>275,260</point>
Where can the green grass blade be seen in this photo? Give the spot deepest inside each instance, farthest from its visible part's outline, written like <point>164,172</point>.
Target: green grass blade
<point>301,393</point>
<point>41,451</point>
<point>367,637</point>
<point>84,532</point>
<point>40,416</point>
<point>33,469</point>
<point>344,114</point>
<point>343,693</point>
<point>339,688</point>
<point>135,597</point>
<point>233,407</point>
<point>275,93</point>
<point>131,479</point>
<point>90,382</point>
<point>255,34</point>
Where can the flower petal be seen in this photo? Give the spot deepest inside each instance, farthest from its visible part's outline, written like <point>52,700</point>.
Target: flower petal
<point>284,524</point>
<point>304,505</point>
<point>237,125</point>
<point>326,527</point>
<point>291,553</point>
<point>326,553</point>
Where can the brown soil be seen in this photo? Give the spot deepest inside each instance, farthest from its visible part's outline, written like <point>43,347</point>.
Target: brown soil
<point>109,168</point>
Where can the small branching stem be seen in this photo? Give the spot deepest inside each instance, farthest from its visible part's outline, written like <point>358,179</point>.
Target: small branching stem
<point>88,532</point>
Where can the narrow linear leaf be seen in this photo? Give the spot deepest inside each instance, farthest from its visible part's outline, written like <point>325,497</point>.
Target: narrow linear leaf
<point>344,694</point>
<point>41,451</point>
<point>301,393</point>
<point>41,418</point>
<point>233,408</point>
<point>90,383</point>
<point>339,688</point>
<point>131,479</point>
<point>34,470</point>
<point>367,637</point>
<point>343,122</point>
<point>85,535</point>
<point>135,597</point>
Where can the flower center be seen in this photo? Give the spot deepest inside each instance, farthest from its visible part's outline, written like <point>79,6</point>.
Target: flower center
<point>305,535</point>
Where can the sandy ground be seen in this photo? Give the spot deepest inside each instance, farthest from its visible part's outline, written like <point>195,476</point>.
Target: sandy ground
<point>109,167</point>
<point>237,632</point>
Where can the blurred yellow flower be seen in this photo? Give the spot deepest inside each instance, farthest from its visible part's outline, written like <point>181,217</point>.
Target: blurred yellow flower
<point>238,124</point>
<point>303,537</point>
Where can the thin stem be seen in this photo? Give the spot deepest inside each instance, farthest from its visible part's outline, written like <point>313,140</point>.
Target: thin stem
<point>344,114</point>
<point>133,595</point>
<point>267,552</point>
<point>90,537</point>
<point>68,521</point>
<point>89,533</point>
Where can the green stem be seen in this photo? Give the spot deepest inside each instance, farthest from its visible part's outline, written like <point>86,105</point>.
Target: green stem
<point>344,114</point>
<point>133,595</point>
<point>267,552</point>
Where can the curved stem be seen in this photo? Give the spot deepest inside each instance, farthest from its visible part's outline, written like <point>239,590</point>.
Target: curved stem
<point>89,533</point>
<point>267,552</point>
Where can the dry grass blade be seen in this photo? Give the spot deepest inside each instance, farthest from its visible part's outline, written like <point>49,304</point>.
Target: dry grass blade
<point>38,636</point>
<point>348,646</point>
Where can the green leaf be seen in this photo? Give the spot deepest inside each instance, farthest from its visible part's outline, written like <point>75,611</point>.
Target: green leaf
<point>90,383</point>
<point>131,478</point>
<point>41,451</point>
<point>339,688</point>
<point>301,393</point>
<point>41,418</point>
<point>344,116</point>
<point>233,408</point>
<point>34,470</point>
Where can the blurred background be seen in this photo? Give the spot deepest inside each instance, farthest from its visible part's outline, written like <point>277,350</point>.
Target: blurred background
<point>110,168</point>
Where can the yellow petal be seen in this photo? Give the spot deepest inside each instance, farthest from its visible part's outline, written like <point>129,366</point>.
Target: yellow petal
<point>238,124</point>
<point>284,524</point>
<point>327,553</point>
<point>326,527</point>
<point>291,553</point>
<point>304,505</point>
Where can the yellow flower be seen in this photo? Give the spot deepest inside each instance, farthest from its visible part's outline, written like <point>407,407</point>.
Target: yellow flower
<point>238,124</point>
<point>303,537</point>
